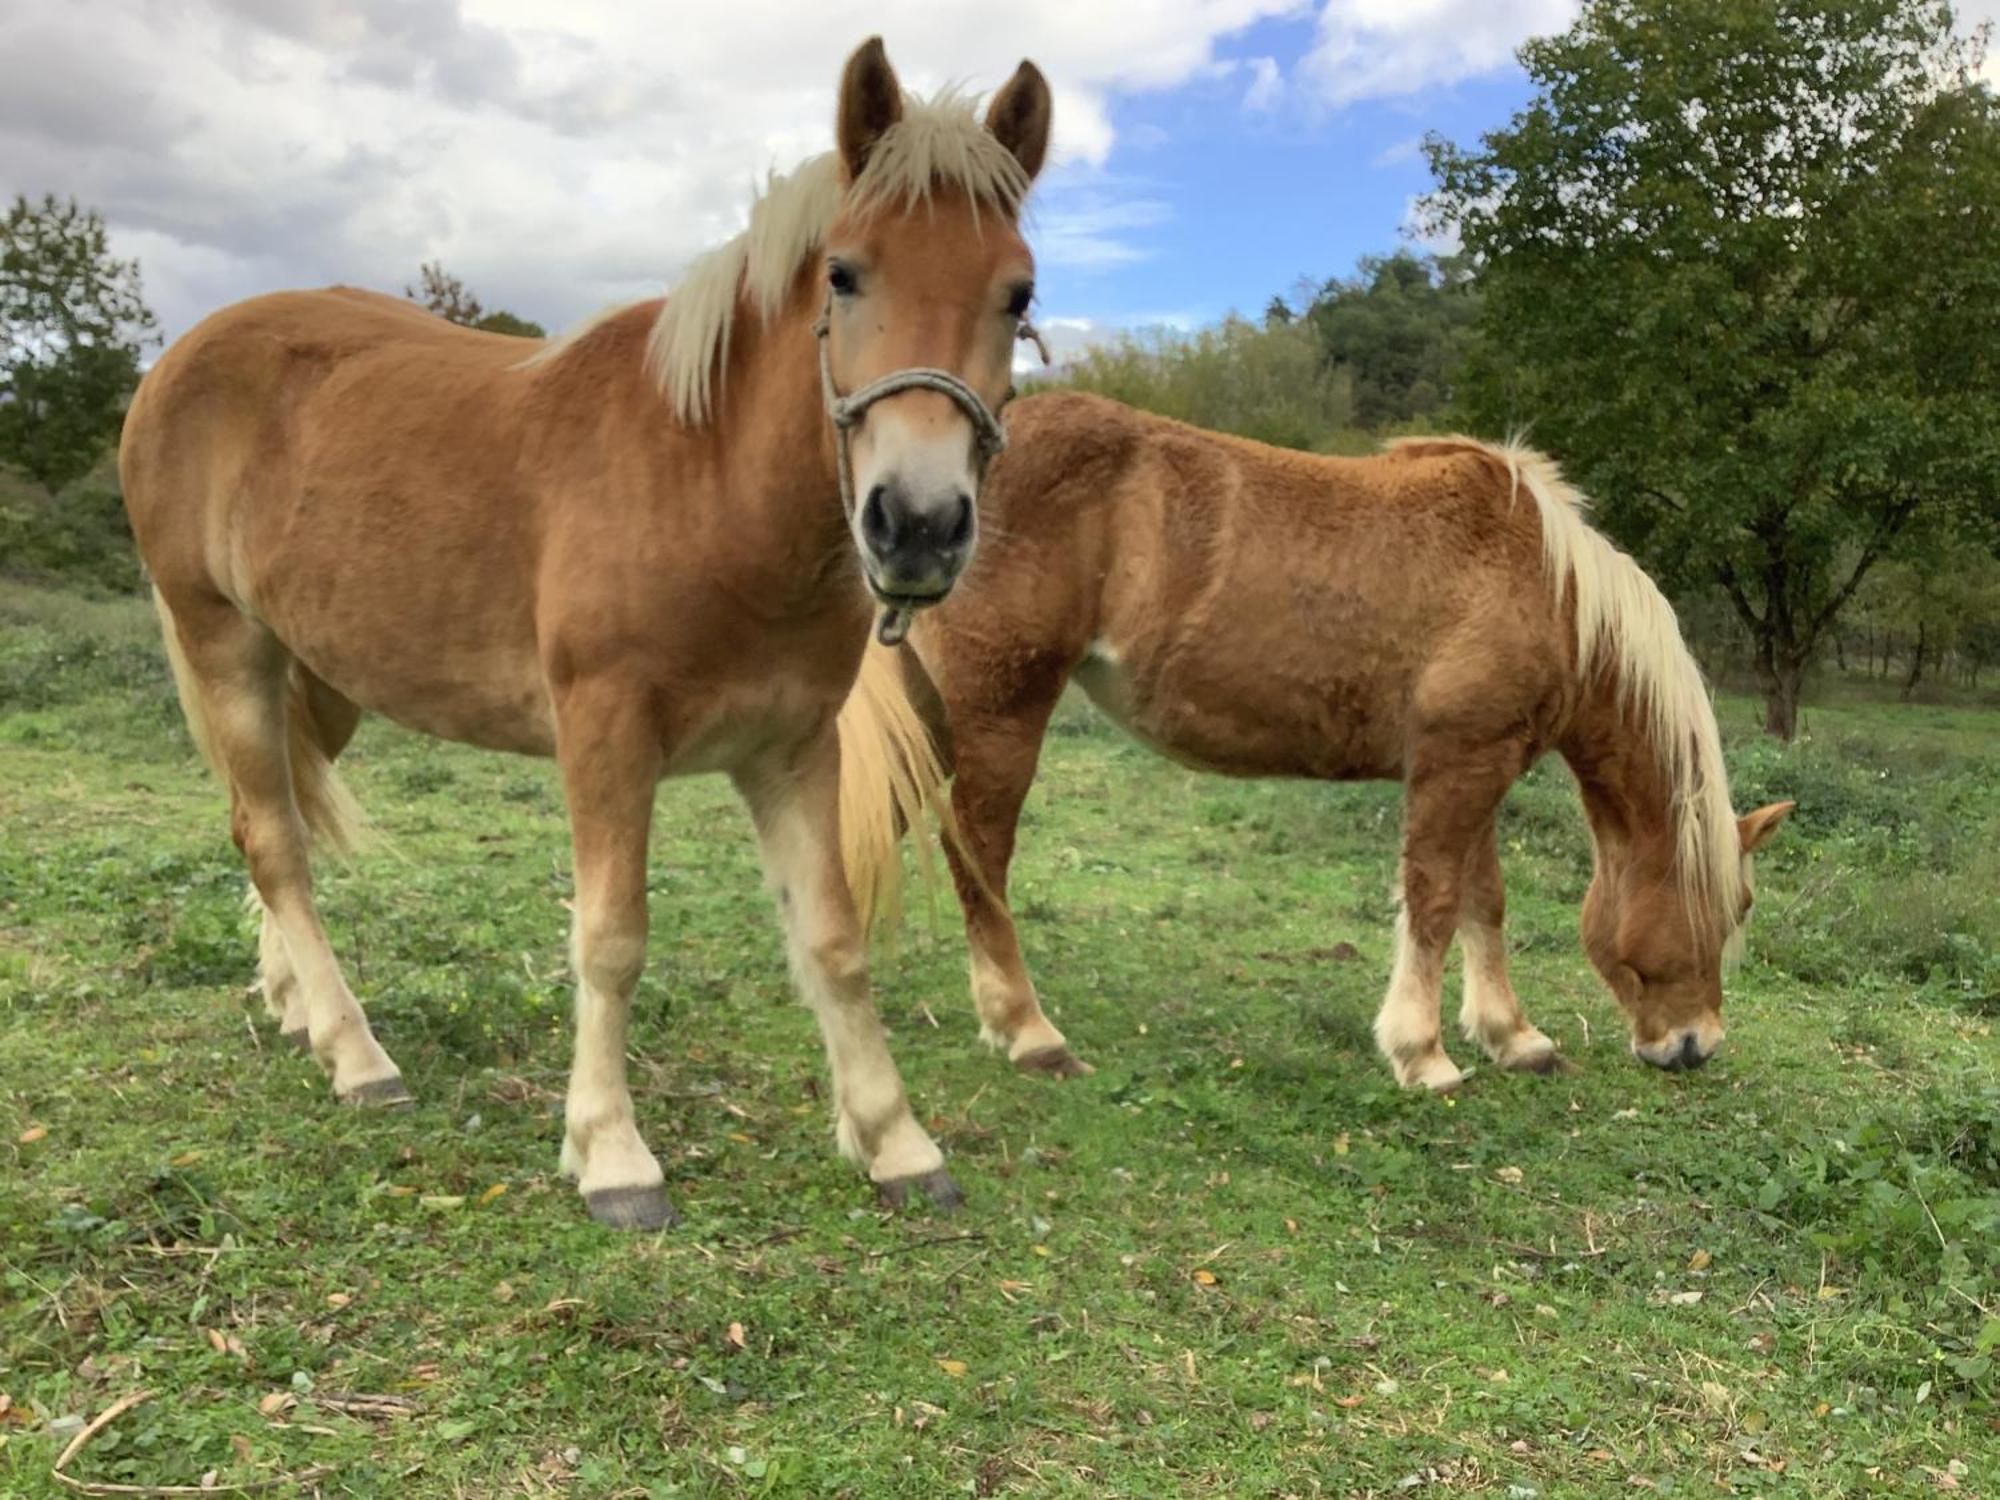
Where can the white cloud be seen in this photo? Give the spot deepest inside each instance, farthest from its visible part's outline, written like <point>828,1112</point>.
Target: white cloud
<point>1378,48</point>
<point>1085,227</point>
<point>1402,151</point>
<point>557,158</point>
<point>1068,338</point>
<point>1370,49</point>
<point>1267,85</point>
<point>1444,239</point>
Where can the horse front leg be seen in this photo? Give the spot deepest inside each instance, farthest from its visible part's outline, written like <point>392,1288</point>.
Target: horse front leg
<point>794,799</point>
<point>1491,1014</point>
<point>995,754</point>
<point>610,761</point>
<point>1450,796</point>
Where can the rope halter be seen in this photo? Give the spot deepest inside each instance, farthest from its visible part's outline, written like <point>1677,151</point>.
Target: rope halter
<point>845,412</point>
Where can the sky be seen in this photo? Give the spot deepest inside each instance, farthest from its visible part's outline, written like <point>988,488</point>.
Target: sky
<point>561,157</point>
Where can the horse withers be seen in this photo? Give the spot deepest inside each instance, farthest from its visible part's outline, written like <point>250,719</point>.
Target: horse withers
<point>1440,614</point>
<point>628,551</point>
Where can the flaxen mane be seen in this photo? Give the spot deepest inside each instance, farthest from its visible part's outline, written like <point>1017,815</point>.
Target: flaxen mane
<point>938,142</point>
<point>1625,624</point>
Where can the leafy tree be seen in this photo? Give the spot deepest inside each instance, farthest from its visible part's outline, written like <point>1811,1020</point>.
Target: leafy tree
<point>1268,383</point>
<point>1737,267</point>
<point>1398,328</point>
<point>447,296</point>
<point>72,327</point>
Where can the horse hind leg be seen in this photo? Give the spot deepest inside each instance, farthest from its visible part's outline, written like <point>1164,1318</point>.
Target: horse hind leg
<point>1491,1015</point>
<point>238,689</point>
<point>318,711</point>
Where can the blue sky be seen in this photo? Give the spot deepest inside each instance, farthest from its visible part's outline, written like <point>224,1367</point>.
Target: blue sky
<point>1210,206</point>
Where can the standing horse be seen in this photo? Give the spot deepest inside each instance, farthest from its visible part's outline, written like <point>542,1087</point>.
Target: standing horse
<point>628,551</point>
<point>1440,614</point>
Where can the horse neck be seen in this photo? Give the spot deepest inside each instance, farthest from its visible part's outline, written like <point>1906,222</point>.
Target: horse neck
<point>773,438</point>
<point>1625,788</point>
<point>764,455</point>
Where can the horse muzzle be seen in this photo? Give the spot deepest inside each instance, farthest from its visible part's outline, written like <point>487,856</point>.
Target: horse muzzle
<point>1681,1051</point>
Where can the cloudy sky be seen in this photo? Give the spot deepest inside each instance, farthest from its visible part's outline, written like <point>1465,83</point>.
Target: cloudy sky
<point>562,156</point>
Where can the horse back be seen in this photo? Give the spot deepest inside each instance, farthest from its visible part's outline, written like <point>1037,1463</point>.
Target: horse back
<point>1254,610</point>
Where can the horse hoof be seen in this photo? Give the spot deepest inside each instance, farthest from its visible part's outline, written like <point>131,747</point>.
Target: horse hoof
<point>300,1039</point>
<point>380,1093</point>
<point>1056,1062</point>
<point>1546,1061</point>
<point>1447,1083</point>
<point>937,1186</point>
<point>641,1208</point>
<point>1433,1072</point>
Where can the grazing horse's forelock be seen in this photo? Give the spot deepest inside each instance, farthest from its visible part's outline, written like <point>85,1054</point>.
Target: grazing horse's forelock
<point>1626,626</point>
<point>938,142</point>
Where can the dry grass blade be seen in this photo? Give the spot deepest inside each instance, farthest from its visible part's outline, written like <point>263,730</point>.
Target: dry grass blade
<point>359,1404</point>
<point>118,1409</point>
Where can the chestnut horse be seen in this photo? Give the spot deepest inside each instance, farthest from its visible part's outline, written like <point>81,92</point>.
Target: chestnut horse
<point>1440,614</point>
<point>628,551</point>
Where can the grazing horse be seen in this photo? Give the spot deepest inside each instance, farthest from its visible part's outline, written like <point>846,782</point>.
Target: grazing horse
<point>1440,614</point>
<point>628,551</point>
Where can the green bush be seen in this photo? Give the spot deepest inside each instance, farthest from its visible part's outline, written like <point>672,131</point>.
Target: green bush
<point>1270,383</point>
<point>78,538</point>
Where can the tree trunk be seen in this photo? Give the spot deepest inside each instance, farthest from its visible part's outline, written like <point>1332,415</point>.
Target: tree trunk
<point>1781,673</point>
<point>1916,661</point>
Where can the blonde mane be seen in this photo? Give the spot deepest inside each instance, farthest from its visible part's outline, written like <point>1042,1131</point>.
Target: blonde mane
<point>1625,623</point>
<point>939,141</point>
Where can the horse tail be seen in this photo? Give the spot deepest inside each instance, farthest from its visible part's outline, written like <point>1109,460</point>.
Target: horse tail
<point>893,770</point>
<point>330,813</point>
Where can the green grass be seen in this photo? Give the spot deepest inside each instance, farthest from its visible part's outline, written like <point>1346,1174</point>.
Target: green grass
<point>1236,1261</point>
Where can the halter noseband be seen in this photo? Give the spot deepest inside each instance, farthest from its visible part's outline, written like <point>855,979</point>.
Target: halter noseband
<point>845,413</point>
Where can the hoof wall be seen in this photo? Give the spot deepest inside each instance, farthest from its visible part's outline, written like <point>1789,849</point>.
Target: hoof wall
<point>1056,1062</point>
<point>1548,1064</point>
<point>642,1208</point>
<point>937,1186</point>
<point>381,1093</point>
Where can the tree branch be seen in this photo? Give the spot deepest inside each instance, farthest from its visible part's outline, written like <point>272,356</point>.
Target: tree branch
<point>1892,522</point>
<point>1726,571</point>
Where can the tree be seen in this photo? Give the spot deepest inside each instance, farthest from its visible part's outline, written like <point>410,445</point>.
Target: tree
<point>1736,264</point>
<point>1399,328</point>
<point>72,327</point>
<point>447,296</point>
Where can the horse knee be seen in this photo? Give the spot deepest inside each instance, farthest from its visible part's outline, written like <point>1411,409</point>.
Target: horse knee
<point>609,959</point>
<point>839,958</point>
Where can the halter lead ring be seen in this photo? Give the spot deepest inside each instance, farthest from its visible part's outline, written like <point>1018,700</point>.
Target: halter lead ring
<point>845,413</point>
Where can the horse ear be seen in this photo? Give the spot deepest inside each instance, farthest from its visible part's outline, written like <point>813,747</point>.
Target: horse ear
<point>871,100</point>
<point>1754,830</point>
<point>1019,116</point>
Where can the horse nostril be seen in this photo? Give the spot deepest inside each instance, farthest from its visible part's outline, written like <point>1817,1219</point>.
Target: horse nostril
<point>960,531</point>
<point>1691,1054</point>
<point>878,530</point>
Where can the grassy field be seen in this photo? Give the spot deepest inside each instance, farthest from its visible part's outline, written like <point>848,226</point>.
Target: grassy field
<point>1237,1261</point>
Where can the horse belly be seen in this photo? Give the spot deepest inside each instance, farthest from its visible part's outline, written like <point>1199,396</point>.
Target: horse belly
<point>434,651</point>
<point>1240,722</point>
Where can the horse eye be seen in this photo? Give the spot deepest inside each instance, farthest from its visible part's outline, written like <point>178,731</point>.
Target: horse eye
<point>841,279</point>
<point>1019,298</point>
